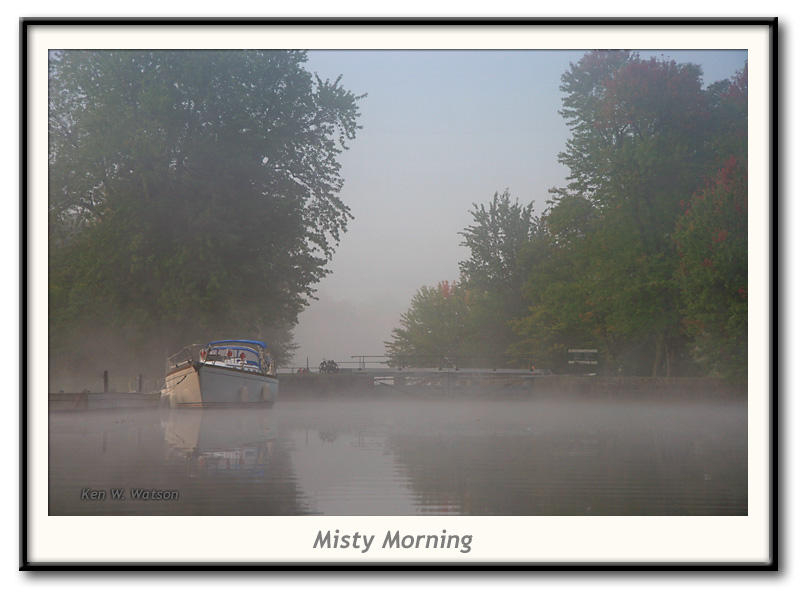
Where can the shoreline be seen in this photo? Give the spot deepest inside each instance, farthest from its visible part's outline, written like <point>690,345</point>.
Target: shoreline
<point>448,386</point>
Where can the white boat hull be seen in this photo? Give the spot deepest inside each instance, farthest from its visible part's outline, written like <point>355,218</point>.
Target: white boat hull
<point>200,385</point>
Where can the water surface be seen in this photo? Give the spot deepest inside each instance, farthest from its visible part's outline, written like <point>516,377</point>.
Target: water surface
<point>405,457</point>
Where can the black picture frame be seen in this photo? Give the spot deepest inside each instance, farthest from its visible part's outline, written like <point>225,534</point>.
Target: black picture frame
<point>27,563</point>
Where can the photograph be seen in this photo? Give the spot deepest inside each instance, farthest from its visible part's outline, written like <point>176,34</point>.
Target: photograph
<point>401,294</point>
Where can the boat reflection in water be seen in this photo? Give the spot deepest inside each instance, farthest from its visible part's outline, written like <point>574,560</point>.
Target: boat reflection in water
<point>233,462</point>
<point>210,462</point>
<point>221,440</point>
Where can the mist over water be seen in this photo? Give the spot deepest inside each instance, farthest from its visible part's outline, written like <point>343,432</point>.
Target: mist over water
<point>406,456</point>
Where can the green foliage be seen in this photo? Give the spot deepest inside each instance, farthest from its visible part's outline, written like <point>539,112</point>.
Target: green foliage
<point>193,195</point>
<point>712,238</point>
<point>640,145</point>
<point>494,276</point>
<point>499,231</point>
<point>622,260</point>
<point>468,322</point>
<point>728,110</point>
<point>434,331</point>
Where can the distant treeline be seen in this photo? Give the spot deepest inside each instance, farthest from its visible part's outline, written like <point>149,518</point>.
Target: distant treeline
<point>642,256</point>
<point>192,195</point>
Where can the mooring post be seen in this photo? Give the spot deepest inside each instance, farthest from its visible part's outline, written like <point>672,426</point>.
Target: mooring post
<point>105,381</point>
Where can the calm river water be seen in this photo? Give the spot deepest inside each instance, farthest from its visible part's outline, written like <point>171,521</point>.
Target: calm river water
<point>381,457</point>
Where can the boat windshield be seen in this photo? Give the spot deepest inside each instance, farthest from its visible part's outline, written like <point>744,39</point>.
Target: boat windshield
<point>242,354</point>
<point>232,355</point>
<point>238,353</point>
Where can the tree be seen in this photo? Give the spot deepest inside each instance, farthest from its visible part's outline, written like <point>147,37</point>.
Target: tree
<point>193,194</point>
<point>564,309</point>
<point>728,108</point>
<point>433,332</point>
<point>712,239</point>
<point>618,261</point>
<point>499,231</point>
<point>637,149</point>
<point>468,322</point>
<point>493,275</point>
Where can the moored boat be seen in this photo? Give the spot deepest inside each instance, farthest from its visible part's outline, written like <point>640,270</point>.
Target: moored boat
<point>225,373</point>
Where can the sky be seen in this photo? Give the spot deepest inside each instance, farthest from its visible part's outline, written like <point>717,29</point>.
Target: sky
<point>441,131</point>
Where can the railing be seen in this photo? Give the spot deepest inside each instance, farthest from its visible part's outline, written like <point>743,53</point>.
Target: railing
<point>188,353</point>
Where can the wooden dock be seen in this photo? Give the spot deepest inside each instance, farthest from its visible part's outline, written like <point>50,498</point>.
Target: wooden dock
<point>93,401</point>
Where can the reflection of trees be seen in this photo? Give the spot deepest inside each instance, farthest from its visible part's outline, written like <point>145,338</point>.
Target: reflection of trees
<point>601,472</point>
<point>222,462</point>
<point>100,450</point>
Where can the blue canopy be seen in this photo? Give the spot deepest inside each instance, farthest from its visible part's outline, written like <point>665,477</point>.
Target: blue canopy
<point>248,341</point>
